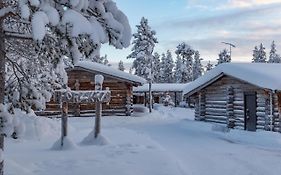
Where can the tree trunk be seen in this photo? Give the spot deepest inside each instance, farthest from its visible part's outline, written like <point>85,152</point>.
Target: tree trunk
<point>2,85</point>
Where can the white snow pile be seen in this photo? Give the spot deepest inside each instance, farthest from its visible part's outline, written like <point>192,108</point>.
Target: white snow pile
<point>220,128</point>
<point>68,144</point>
<point>139,110</point>
<point>165,142</point>
<point>31,127</point>
<point>91,140</point>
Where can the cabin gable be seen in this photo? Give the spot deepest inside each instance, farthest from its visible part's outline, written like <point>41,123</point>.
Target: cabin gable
<point>121,94</point>
<point>223,101</point>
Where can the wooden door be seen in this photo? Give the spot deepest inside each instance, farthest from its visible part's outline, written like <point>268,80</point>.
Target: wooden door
<point>250,106</point>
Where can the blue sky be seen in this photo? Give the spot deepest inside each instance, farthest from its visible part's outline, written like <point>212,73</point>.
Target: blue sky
<point>204,24</point>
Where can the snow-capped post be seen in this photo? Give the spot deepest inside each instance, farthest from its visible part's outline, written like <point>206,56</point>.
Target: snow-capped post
<point>98,87</point>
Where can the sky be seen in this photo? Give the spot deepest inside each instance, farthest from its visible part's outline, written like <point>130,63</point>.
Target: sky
<point>204,25</point>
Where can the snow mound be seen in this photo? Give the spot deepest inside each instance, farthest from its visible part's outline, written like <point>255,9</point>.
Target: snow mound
<point>220,128</point>
<point>31,127</point>
<point>68,144</point>
<point>139,111</point>
<point>91,140</point>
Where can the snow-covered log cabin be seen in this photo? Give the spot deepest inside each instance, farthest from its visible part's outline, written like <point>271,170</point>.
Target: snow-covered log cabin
<point>81,77</point>
<point>159,90</point>
<point>240,95</point>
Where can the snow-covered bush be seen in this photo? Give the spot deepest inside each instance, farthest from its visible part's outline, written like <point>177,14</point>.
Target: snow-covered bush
<point>167,100</point>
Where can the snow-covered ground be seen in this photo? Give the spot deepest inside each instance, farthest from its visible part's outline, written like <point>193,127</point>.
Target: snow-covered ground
<point>166,142</point>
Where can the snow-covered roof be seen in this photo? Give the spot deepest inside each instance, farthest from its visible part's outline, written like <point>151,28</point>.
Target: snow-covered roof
<point>264,75</point>
<point>161,87</point>
<point>96,67</point>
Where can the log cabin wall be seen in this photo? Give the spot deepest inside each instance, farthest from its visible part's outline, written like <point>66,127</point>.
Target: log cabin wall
<point>223,102</point>
<point>121,94</point>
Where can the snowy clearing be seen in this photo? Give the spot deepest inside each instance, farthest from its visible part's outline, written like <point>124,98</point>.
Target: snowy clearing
<point>165,142</point>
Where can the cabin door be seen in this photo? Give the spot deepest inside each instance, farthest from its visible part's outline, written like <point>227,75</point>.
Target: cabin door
<point>250,111</point>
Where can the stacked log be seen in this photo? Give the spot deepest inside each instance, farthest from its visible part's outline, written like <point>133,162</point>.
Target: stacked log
<point>230,108</point>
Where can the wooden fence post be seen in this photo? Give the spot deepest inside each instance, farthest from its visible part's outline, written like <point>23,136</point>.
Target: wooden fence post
<point>64,119</point>
<point>98,105</point>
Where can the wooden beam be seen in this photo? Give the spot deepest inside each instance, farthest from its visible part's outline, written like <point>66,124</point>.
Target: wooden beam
<point>64,119</point>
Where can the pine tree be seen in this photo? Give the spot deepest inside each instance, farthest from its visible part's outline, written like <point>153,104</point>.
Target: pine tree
<point>255,54</point>
<point>179,70</point>
<point>121,65</point>
<point>162,68</point>
<point>143,46</point>
<point>259,55</point>
<point>156,68</point>
<point>167,66</point>
<point>186,53</point>
<point>197,66</point>
<point>273,56</point>
<point>209,66</point>
<point>100,59</point>
<point>224,57</point>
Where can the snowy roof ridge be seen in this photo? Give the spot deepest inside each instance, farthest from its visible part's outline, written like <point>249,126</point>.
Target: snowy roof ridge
<point>264,75</point>
<point>161,87</point>
<point>89,65</point>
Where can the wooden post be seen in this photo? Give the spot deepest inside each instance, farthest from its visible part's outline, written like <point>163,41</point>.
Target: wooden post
<point>230,108</point>
<point>267,116</point>
<point>98,105</point>
<point>175,99</point>
<point>64,119</point>
<point>77,104</point>
<point>145,99</point>
<point>2,85</point>
<point>279,110</point>
<point>202,105</point>
<point>150,96</point>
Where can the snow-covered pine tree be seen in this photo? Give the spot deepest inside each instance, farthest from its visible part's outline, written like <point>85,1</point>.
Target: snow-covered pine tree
<point>178,73</point>
<point>143,46</point>
<point>255,54</point>
<point>259,55</point>
<point>197,66</point>
<point>121,65</point>
<point>185,52</point>
<point>156,68</point>
<point>224,57</point>
<point>57,32</point>
<point>273,56</point>
<point>99,59</point>
<point>162,68</point>
<point>167,67</point>
<point>209,66</point>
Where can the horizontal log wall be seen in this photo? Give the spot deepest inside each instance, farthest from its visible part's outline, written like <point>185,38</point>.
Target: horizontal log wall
<point>224,103</point>
<point>121,93</point>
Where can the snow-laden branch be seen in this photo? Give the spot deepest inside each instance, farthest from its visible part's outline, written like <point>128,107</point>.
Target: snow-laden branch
<point>6,10</point>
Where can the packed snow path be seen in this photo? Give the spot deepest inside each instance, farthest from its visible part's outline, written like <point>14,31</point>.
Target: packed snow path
<point>166,142</point>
